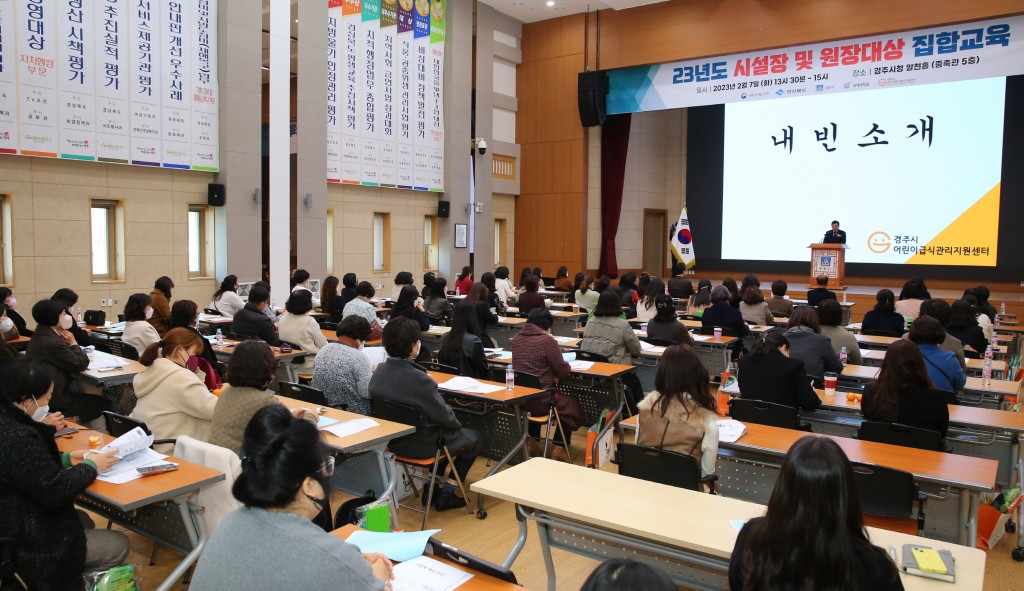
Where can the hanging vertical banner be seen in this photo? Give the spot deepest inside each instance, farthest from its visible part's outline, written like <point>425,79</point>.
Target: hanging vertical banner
<point>76,87</point>
<point>111,56</point>
<point>334,89</point>
<point>37,40</point>
<point>388,147</point>
<point>176,76</point>
<point>8,125</point>
<point>368,67</point>
<point>435,102</point>
<point>205,99</point>
<point>404,68</point>
<point>350,140</point>
<point>144,86</point>
<point>421,145</point>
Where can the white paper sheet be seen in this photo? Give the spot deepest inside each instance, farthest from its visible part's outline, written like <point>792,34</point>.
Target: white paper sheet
<point>131,442</point>
<point>101,360</point>
<point>701,337</point>
<point>125,470</point>
<point>352,427</point>
<point>376,355</point>
<point>730,430</point>
<point>565,339</point>
<point>427,574</point>
<point>581,365</point>
<point>462,384</point>
<point>645,346</point>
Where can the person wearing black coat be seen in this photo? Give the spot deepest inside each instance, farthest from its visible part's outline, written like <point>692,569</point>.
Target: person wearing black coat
<point>38,486</point>
<point>768,373</point>
<point>884,316</point>
<point>69,298</point>
<point>461,347</point>
<point>401,380</point>
<point>252,321</point>
<point>821,293</point>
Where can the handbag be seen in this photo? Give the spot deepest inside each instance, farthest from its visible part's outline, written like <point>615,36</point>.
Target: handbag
<point>95,317</point>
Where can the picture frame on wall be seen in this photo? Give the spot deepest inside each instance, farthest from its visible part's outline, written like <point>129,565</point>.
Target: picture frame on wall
<point>461,235</point>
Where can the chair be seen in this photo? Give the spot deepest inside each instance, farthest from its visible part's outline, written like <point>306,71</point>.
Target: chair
<point>710,330</point>
<point>401,413</point>
<point>235,336</point>
<point>212,312</point>
<point>660,342</point>
<point>887,498</point>
<point>439,367</point>
<point>118,425</point>
<point>8,568</point>
<point>880,333</point>
<point>122,349</point>
<point>552,420</point>
<point>304,393</point>
<point>582,355</point>
<point>662,466</point>
<point>896,434</point>
<point>689,317</point>
<point>767,413</point>
<point>440,549</point>
<point>327,325</point>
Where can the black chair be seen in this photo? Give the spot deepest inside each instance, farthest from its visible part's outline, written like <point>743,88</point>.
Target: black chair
<point>660,342</point>
<point>662,466</point>
<point>212,312</point>
<point>407,415</point>
<point>118,425</point>
<point>890,493</point>
<point>439,367</point>
<point>880,333</point>
<point>710,330</point>
<point>582,355</point>
<point>767,413</point>
<point>896,434</point>
<point>306,394</point>
<point>122,349</point>
<point>971,354</point>
<point>9,569</point>
<point>236,336</point>
<point>327,325</point>
<point>552,420</point>
<point>438,548</point>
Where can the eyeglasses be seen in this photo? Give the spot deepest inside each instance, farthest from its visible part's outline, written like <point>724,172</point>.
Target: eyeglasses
<point>327,468</point>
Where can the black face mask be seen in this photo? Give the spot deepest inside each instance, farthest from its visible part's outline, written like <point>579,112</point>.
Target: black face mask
<point>325,484</point>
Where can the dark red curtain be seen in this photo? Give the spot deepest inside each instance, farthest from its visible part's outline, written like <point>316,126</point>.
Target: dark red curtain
<point>614,147</point>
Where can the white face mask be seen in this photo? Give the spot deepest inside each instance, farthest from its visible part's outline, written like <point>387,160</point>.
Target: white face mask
<point>361,345</point>
<point>65,322</point>
<point>41,411</point>
<point>12,302</point>
<point>6,325</point>
<point>149,313</point>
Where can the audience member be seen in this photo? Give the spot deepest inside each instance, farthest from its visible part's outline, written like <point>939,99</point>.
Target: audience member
<point>68,298</point>
<point>11,302</point>
<point>529,299</point>
<point>161,303</point>
<point>754,309</point>
<point>300,282</point>
<point>734,291</point>
<point>940,310</point>
<point>982,293</point>
<point>428,282</point>
<point>436,305</point>
<point>250,321</point>
<point>914,292</point>
<point>409,305</point>
<point>185,314</point>
<point>679,286</point>
<point>624,574</point>
<point>665,325</point>
<point>299,328</point>
<point>342,372</point>
<point>883,318</point>
<point>903,393</point>
<point>645,309</point>
<point>701,300</point>
<point>402,279</point>
<point>778,304</point>
<point>137,332</point>
<point>963,325</point>
<point>562,281</point>
<point>479,298</point>
<point>331,301</point>
<point>768,373</point>
<point>506,291</point>
<point>586,297</point>
<point>361,306</point>
<point>807,344</point>
<point>820,293</point>
<point>830,320</point>
<point>461,347</point>
<point>464,282</point>
<point>942,366</point>
<point>348,291</point>
<point>226,300</point>
<point>722,314</point>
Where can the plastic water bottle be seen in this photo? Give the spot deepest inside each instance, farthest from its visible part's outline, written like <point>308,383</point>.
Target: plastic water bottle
<point>510,378</point>
<point>219,338</point>
<point>986,374</point>
<point>997,321</point>
<point>78,313</point>
<point>843,356</point>
<point>844,297</point>
<point>995,340</point>
<point>988,353</point>
<point>1002,308</point>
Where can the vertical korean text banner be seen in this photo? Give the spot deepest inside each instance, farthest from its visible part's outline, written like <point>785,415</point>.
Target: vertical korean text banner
<point>117,81</point>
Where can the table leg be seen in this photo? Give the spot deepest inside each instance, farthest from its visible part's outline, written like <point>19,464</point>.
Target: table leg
<point>520,540</point>
<point>545,549</point>
<point>969,501</point>
<point>195,522</point>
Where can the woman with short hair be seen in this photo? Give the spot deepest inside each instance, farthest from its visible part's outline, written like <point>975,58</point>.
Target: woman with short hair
<point>963,325</point>
<point>461,347</point>
<point>807,344</point>
<point>830,319</point>
<point>943,367</point>
<point>160,300</point>
<point>665,325</point>
<point>768,373</point>
<point>361,306</point>
<point>436,305</point>
<point>299,328</point>
<point>137,331</point>
<point>753,308</point>
<point>884,317</point>
<point>342,371</point>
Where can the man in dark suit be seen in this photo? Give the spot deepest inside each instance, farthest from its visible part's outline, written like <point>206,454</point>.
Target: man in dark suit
<point>820,293</point>
<point>252,322</point>
<point>835,235</point>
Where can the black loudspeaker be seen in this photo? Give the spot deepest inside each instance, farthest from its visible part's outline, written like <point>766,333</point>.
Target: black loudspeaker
<point>444,208</point>
<point>215,194</point>
<point>593,88</point>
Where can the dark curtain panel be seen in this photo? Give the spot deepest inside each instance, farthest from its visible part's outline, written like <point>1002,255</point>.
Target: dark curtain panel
<point>614,147</point>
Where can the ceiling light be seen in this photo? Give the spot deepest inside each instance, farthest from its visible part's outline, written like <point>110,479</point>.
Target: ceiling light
<point>551,2</point>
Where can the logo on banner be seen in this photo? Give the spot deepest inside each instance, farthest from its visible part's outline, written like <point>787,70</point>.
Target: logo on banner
<point>879,242</point>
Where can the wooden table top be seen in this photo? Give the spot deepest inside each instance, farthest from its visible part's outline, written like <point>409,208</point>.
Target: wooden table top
<point>479,582</point>
<point>228,349</point>
<point>517,395</point>
<point>755,328</point>
<point>96,376</point>
<point>107,329</point>
<point>968,416</point>
<point>506,321</point>
<point>211,320</point>
<point>930,466</point>
<point>147,490</point>
<point>19,343</point>
<point>384,432</point>
<point>877,341</point>
<point>574,313</point>
<point>700,525</point>
<point>974,385</point>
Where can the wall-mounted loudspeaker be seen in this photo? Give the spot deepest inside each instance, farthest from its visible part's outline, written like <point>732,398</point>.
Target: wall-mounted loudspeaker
<point>215,194</point>
<point>444,208</point>
<point>593,88</point>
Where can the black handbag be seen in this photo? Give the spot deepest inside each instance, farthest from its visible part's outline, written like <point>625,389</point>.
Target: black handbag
<point>95,317</point>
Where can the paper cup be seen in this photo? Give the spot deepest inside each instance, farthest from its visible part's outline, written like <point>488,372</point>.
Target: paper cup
<point>830,382</point>
<point>718,332</point>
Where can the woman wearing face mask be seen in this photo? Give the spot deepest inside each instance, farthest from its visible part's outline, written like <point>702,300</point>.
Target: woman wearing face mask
<point>161,303</point>
<point>137,331</point>
<point>51,547</point>
<point>173,400</point>
<point>8,332</point>
<point>271,543</point>
<point>185,314</point>
<point>251,372</point>
<point>8,299</point>
<point>342,371</point>
<point>53,344</point>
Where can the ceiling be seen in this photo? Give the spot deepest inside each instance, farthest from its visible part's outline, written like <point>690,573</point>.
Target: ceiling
<point>529,11</point>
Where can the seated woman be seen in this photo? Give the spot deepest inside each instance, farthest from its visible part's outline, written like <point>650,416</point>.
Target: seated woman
<point>251,372</point>
<point>753,308</point>
<point>342,372</point>
<point>812,535</point>
<point>7,299</point>
<point>914,292</point>
<point>665,325</point>
<point>734,292</point>
<point>349,282</point>
<point>461,347</point>
<point>983,321</point>
<point>173,400</point>
<point>361,306</point>
<point>903,392</point>
<point>464,281</point>
<point>271,542</point>
<point>942,366</point>
<point>409,305</point>
<point>768,373</point>
<point>494,303</point>
<point>883,317</point>
<point>679,415</point>
<point>630,295</point>
<point>161,303</point>
<point>299,328</point>
<point>137,331</point>
<point>723,314</point>
<point>226,300</point>
<point>479,298</point>
<point>701,300</point>
<point>562,281</point>
<point>402,279</point>
<point>529,299</point>
<point>778,304</point>
<point>608,333</point>
<point>428,282</point>
<point>586,297</point>
<point>506,292</point>
<point>436,305</point>
<point>807,344</point>
<point>963,325</point>
<point>51,546</point>
<point>185,314</point>
<point>830,319</point>
<point>330,300</point>
<point>645,309</point>
<point>7,352</point>
<point>401,380</point>
<point>536,353</point>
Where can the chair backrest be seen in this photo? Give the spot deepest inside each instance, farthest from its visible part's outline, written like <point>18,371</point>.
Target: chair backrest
<point>885,491</point>
<point>710,330</point>
<point>439,367</point>
<point>896,434</point>
<point>764,413</point>
<point>658,465</point>
<point>122,349</point>
<point>689,317</point>
<point>970,354</point>
<point>118,425</point>
<point>442,550</point>
<point>588,356</point>
<point>237,336</point>
<point>527,380</point>
<point>328,325</point>
<point>880,333</point>
<point>398,413</point>
<point>217,497</point>
<point>304,393</point>
<point>660,342</point>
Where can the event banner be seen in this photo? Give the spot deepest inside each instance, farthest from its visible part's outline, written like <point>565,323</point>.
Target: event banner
<point>385,63</point>
<point>119,81</point>
<point>943,54</point>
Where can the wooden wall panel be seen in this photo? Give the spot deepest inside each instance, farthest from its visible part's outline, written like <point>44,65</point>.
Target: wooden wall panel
<point>685,29</point>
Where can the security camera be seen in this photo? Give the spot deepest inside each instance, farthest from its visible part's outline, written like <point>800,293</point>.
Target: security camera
<point>481,146</point>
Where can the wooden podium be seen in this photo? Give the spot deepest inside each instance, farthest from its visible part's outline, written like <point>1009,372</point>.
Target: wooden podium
<point>829,259</point>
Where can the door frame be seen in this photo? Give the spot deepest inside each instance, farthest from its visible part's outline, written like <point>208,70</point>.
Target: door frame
<point>664,252</point>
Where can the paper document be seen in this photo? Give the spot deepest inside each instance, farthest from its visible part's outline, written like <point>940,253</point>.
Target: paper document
<point>733,388</point>
<point>701,337</point>
<point>101,360</point>
<point>352,427</point>
<point>730,430</point>
<point>639,333</point>
<point>427,574</point>
<point>461,384</point>
<point>493,350</point>
<point>398,546</point>
<point>324,422</point>
<point>565,339</point>
<point>376,355</point>
<point>581,365</point>
<point>131,442</point>
<point>125,470</point>
<point>645,346</point>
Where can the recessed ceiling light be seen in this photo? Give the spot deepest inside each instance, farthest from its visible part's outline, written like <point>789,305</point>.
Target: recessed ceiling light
<point>551,2</point>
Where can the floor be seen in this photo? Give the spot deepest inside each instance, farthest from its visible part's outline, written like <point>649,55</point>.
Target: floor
<point>492,538</point>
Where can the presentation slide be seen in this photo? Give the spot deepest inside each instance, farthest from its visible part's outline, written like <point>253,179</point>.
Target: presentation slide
<point>911,173</point>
